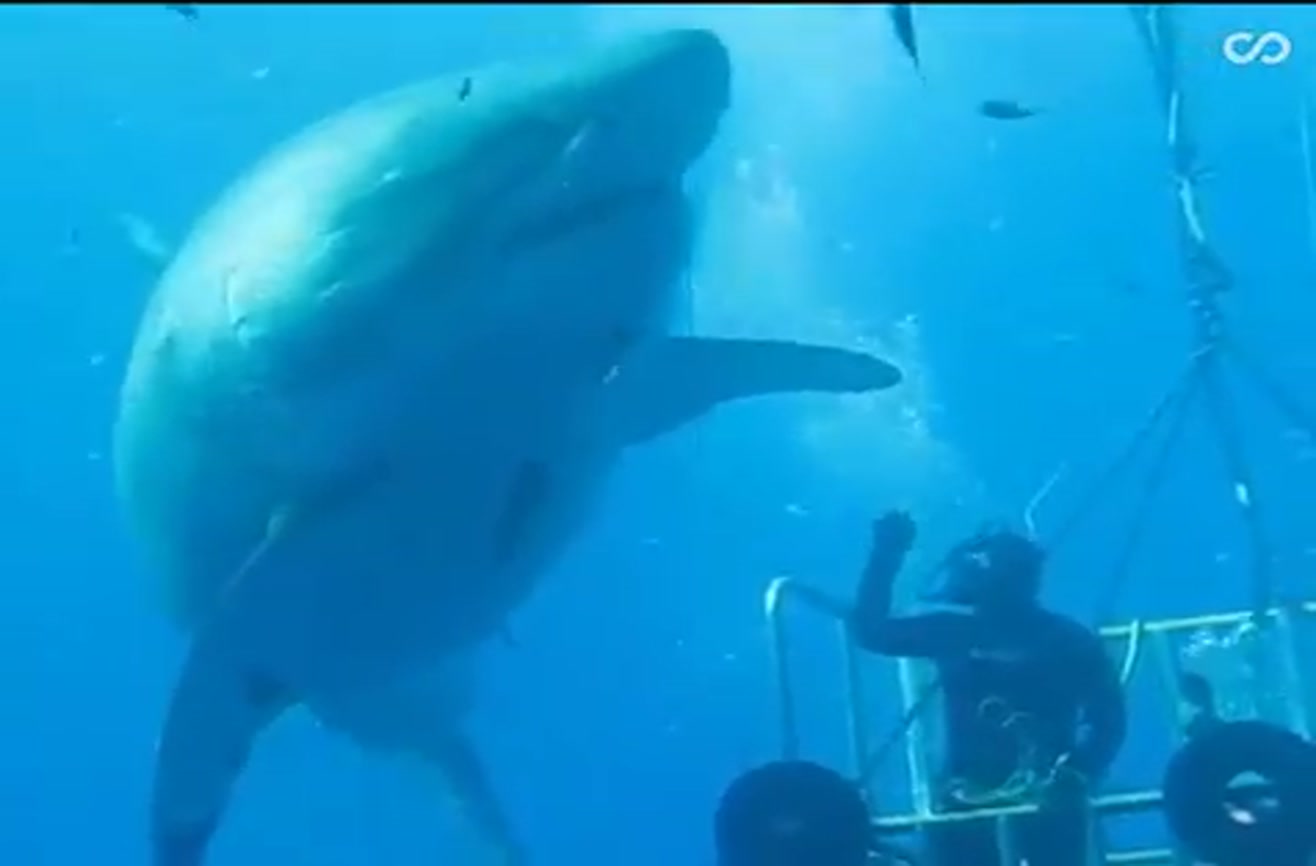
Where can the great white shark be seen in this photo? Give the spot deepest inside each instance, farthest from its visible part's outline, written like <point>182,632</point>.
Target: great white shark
<point>378,390</point>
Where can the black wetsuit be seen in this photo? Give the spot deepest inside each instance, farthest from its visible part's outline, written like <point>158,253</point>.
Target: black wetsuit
<point>1020,689</point>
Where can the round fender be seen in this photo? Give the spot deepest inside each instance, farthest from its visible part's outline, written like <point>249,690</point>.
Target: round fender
<point>792,813</point>
<point>1198,797</point>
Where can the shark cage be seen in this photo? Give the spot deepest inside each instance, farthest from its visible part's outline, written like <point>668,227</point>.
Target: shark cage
<point>1252,657</point>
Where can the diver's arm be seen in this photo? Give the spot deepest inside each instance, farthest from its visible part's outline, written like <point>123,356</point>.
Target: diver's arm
<point>925,636</point>
<point>873,598</point>
<point>872,627</point>
<point>1104,715</point>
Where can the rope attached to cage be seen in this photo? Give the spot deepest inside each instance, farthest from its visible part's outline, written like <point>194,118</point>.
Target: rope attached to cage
<point>1208,279</point>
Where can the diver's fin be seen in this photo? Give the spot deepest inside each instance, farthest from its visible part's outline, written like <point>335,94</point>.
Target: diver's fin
<point>214,715</point>
<point>668,383</point>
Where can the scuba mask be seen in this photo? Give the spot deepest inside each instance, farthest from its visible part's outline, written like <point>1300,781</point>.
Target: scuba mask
<point>993,567</point>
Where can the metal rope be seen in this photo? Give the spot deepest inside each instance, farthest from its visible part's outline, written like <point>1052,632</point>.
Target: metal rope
<point>1142,433</point>
<point>1208,278</point>
<point>1155,476</point>
<point>1271,389</point>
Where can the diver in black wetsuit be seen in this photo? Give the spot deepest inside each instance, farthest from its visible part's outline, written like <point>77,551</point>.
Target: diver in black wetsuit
<point>1033,704</point>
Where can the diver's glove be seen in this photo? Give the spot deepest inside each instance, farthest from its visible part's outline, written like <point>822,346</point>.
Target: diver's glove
<point>893,535</point>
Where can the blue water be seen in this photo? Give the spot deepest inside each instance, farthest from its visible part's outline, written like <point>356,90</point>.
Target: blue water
<point>1026,274</point>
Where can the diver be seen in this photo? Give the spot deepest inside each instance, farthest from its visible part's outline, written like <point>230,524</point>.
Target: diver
<point>1033,706</point>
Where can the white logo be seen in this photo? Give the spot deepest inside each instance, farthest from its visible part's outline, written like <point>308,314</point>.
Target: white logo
<point>1245,47</point>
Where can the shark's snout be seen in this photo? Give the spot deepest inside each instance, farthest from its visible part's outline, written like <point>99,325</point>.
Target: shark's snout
<point>655,103</point>
<point>684,80</point>
<point>700,76</point>
<point>694,65</point>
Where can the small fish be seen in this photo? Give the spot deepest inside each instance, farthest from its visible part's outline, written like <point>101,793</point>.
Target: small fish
<point>579,139</point>
<point>902,20</point>
<point>144,238</point>
<point>73,242</point>
<point>1005,109</point>
<point>465,90</point>
<point>186,11</point>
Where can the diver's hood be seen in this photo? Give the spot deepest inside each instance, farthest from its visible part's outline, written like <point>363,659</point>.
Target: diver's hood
<point>992,567</point>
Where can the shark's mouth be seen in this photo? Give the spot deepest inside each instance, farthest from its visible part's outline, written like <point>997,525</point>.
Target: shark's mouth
<point>582,216</point>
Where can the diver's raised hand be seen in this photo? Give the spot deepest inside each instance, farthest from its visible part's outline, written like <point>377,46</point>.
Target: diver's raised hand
<point>892,535</point>
<point>894,532</point>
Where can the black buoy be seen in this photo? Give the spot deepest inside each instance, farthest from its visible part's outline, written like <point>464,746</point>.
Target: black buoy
<point>792,813</point>
<point>1229,826</point>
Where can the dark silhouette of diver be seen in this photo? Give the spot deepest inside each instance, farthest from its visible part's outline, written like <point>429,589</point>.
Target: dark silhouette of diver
<point>1034,710</point>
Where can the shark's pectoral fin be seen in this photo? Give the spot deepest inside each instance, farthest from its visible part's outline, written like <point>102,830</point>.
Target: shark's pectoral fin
<point>216,711</point>
<point>666,384</point>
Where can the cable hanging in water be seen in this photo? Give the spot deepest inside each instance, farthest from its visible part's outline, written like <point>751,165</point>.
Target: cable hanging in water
<point>1207,278</point>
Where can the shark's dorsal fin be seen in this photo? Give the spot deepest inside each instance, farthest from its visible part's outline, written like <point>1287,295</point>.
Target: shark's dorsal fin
<point>664,384</point>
